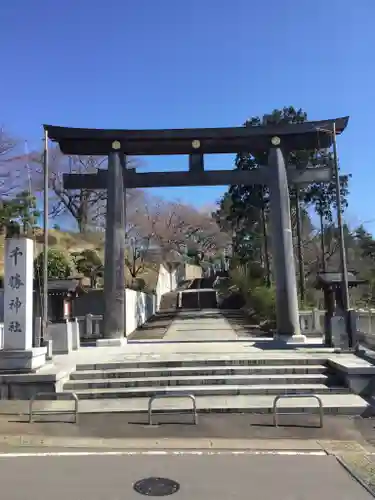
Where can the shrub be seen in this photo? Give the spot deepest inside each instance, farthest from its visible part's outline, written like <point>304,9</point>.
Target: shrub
<point>263,301</point>
<point>248,281</point>
<point>59,265</point>
<point>138,284</point>
<point>89,263</point>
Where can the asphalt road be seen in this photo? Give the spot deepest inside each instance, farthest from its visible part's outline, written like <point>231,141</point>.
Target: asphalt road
<point>201,477</point>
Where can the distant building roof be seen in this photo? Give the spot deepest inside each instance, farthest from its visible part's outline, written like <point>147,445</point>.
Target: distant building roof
<point>65,286</point>
<point>334,278</point>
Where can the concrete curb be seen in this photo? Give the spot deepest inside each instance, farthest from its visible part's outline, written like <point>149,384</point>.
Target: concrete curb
<point>161,444</point>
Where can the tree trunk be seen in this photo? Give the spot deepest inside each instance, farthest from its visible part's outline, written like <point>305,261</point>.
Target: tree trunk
<point>82,215</point>
<point>301,267</point>
<point>322,246</point>
<point>265,247</point>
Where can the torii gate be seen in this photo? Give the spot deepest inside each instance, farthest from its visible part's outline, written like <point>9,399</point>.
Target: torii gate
<point>276,140</point>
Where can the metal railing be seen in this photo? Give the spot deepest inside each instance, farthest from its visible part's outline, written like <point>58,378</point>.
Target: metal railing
<point>276,414</point>
<point>174,395</point>
<point>63,412</point>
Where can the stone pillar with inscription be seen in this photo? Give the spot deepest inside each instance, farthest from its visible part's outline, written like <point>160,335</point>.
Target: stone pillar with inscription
<point>18,352</point>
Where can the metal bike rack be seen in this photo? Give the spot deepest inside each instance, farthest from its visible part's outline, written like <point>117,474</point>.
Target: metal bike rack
<point>63,412</point>
<point>287,396</point>
<point>174,395</point>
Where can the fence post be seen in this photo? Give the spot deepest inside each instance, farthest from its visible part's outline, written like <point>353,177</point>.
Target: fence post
<point>37,331</point>
<point>315,320</point>
<point>2,340</point>
<point>88,325</point>
<point>369,320</point>
<point>97,325</point>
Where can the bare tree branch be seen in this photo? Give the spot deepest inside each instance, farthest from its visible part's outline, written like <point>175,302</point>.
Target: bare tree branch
<point>87,207</point>
<point>13,166</point>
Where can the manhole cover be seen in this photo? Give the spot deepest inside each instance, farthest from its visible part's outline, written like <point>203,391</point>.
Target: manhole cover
<point>156,486</point>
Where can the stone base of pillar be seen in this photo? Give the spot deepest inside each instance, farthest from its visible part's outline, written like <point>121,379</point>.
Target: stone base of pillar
<point>290,339</point>
<point>112,342</point>
<point>23,361</point>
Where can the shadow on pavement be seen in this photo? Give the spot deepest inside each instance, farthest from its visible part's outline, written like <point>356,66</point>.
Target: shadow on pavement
<point>274,344</point>
<point>227,426</point>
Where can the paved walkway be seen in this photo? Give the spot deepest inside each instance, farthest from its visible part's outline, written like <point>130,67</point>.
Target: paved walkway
<point>200,326</point>
<point>198,476</point>
<point>208,325</point>
<point>186,326</point>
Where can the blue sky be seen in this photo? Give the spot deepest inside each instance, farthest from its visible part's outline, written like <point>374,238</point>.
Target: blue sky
<point>192,63</point>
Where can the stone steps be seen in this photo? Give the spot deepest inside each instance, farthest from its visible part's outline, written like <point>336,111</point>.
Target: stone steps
<point>207,390</point>
<point>336,404</point>
<point>204,362</point>
<point>247,382</point>
<point>197,380</point>
<point>203,371</point>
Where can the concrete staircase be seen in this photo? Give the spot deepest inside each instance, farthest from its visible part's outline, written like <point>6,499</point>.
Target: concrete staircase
<point>168,301</point>
<point>222,384</point>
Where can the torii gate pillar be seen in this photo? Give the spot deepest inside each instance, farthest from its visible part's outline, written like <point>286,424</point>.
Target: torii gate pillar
<point>288,327</point>
<point>114,270</point>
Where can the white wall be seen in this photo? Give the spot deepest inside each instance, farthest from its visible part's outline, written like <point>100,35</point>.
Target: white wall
<point>166,283</point>
<point>139,307</point>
